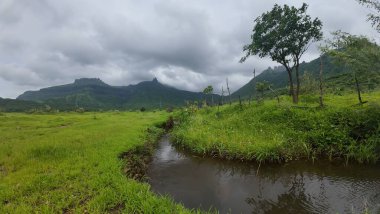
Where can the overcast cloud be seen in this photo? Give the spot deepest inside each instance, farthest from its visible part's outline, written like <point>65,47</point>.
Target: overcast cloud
<point>185,44</point>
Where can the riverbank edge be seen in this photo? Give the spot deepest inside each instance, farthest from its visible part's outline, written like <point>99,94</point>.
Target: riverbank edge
<point>216,153</point>
<point>136,160</point>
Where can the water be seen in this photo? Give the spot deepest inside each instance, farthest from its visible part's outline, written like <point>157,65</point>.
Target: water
<point>297,187</point>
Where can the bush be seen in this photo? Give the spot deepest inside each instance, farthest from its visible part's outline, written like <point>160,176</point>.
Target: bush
<point>80,110</point>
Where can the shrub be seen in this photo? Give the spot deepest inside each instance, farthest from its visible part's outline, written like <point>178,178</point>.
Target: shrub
<point>80,110</point>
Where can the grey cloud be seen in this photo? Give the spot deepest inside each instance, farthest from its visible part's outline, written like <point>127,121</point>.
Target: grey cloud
<point>186,45</point>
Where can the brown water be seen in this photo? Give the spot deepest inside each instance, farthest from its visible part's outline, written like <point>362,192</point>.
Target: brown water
<point>297,187</point>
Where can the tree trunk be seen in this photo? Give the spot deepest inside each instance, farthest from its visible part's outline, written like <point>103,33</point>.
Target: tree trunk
<point>253,84</point>
<point>291,87</point>
<point>229,94</point>
<point>222,96</point>
<point>358,89</point>
<point>321,83</point>
<point>298,83</point>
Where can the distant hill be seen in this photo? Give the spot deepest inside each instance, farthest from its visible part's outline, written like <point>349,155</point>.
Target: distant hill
<point>12,105</point>
<point>93,94</point>
<point>336,78</point>
<point>278,76</point>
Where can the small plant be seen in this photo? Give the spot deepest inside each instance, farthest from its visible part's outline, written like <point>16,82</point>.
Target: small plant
<point>262,87</point>
<point>207,91</point>
<point>80,110</point>
<point>169,109</point>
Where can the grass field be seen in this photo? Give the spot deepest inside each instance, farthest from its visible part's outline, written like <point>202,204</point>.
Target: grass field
<point>281,132</point>
<point>68,163</point>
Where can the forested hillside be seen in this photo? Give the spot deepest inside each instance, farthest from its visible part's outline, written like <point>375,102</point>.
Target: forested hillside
<point>94,94</point>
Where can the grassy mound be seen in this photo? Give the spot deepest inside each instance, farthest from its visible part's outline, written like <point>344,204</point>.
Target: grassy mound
<point>281,132</point>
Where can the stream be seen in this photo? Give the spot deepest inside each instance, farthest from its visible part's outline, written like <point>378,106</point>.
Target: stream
<point>240,187</point>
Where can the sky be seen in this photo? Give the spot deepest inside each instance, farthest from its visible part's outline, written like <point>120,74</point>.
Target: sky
<point>184,44</point>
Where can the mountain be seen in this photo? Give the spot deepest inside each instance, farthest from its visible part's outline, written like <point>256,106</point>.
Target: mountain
<point>12,105</point>
<point>94,94</point>
<point>278,76</point>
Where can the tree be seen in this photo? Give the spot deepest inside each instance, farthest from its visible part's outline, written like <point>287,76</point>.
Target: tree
<point>373,17</point>
<point>360,55</point>
<point>284,34</point>
<point>208,90</point>
<point>262,87</point>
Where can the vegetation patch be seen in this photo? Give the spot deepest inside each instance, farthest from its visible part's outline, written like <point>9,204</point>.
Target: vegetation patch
<point>76,169</point>
<point>282,132</point>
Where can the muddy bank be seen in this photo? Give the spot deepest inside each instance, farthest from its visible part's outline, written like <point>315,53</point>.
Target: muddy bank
<point>136,161</point>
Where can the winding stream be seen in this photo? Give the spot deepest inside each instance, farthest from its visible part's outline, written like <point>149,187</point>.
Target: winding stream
<point>297,187</point>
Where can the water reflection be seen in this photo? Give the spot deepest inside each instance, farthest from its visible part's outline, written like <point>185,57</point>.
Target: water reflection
<point>299,187</point>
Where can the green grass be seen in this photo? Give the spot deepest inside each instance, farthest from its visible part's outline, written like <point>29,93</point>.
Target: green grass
<point>68,162</point>
<point>281,132</point>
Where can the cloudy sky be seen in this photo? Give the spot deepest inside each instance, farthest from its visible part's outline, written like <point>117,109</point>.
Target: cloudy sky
<point>186,44</point>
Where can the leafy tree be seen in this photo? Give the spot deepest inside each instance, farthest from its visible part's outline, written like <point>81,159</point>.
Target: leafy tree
<point>360,55</point>
<point>262,87</point>
<point>208,90</point>
<point>373,17</point>
<point>284,34</point>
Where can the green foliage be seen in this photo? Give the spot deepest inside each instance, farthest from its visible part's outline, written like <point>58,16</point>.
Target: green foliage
<point>262,87</point>
<point>284,34</point>
<point>334,76</point>
<point>357,53</point>
<point>68,163</point>
<point>11,105</point>
<point>208,90</point>
<point>272,132</point>
<point>373,17</point>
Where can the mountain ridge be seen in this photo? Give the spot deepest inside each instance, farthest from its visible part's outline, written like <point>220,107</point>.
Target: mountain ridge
<point>93,93</point>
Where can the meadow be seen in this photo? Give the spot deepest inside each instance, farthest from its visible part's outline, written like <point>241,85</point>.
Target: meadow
<point>69,163</point>
<point>278,132</point>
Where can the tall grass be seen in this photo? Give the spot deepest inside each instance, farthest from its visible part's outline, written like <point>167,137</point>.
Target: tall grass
<point>68,163</point>
<point>281,132</point>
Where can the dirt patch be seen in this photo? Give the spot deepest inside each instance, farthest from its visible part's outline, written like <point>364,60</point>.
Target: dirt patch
<point>136,161</point>
<point>169,124</point>
<point>117,209</point>
<point>3,170</point>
